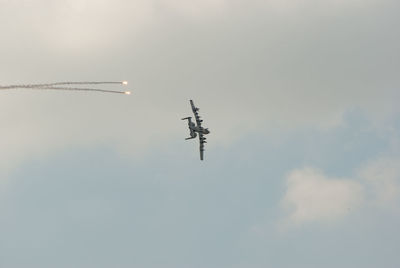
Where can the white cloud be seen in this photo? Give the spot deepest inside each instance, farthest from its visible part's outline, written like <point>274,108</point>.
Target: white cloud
<point>312,196</point>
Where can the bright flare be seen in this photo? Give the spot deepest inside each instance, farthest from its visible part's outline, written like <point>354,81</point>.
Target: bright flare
<point>127,92</point>
<point>125,82</point>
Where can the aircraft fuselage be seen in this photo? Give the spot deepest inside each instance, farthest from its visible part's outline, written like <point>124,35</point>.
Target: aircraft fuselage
<point>198,129</point>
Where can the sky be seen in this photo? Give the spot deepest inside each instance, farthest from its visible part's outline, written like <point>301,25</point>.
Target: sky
<point>302,166</point>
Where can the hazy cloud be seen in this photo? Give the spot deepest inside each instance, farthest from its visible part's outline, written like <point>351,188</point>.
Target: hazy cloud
<point>312,196</point>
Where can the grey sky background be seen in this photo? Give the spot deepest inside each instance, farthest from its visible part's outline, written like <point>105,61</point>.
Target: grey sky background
<point>254,65</point>
<point>302,164</point>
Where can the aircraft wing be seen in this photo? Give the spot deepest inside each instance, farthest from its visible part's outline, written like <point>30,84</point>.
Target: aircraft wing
<point>196,113</point>
<point>202,142</point>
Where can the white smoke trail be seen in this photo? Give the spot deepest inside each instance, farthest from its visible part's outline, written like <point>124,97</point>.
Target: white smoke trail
<point>79,89</point>
<point>56,86</point>
<point>79,83</point>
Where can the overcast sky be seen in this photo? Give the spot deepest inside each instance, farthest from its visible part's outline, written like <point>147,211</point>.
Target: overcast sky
<point>302,166</point>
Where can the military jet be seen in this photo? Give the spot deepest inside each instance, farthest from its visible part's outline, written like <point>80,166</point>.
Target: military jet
<point>197,129</point>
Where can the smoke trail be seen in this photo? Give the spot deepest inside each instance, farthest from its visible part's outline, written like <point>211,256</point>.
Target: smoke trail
<point>79,89</point>
<point>63,83</point>
<point>78,83</point>
<point>56,86</point>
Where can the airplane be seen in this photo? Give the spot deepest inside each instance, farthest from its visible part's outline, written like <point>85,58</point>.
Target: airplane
<point>197,129</point>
